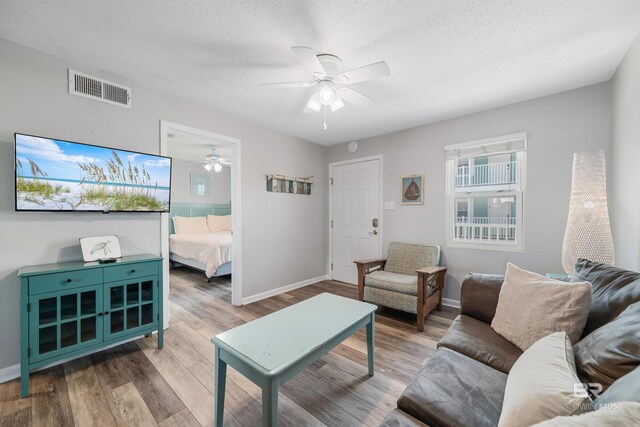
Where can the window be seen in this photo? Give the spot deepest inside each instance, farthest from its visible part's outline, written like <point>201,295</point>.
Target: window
<point>485,192</point>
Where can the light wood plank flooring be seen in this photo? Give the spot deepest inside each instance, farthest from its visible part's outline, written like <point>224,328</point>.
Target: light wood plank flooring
<point>135,384</point>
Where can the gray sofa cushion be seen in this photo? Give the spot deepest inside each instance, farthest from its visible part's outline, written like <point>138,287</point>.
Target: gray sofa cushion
<point>452,389</point>
<point>478,340</point>
<point>626,389</point>
<point>613,290</point>
<point>397,418</point>
<point>611,351</point>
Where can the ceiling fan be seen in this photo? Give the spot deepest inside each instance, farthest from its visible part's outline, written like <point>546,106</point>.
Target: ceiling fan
<point>215,162</point>
<point>330,83</point>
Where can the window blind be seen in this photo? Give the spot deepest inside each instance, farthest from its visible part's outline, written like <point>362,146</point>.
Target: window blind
<point>499,145</point>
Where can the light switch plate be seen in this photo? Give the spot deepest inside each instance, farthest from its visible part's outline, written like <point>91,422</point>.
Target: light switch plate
<point>389,205</point>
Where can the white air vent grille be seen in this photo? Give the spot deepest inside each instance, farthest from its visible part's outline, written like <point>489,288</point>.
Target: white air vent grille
<point>98,89</point>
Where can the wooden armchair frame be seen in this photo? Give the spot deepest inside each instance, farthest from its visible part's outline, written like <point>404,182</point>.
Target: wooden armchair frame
<point>427,277</point>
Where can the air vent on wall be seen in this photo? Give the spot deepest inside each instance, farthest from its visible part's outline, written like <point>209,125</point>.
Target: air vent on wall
<point>98,89</point>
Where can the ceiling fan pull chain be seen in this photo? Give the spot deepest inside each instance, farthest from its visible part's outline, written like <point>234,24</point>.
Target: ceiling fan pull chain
<point>325,118</point>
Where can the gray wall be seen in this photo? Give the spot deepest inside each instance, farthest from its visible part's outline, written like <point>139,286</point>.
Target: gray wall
<point>557,126</point>
<point>181,183</point>
<point>277,228</point>
<point>625,154</point>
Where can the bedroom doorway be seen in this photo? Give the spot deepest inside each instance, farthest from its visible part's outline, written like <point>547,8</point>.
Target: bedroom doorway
<point>206,196</point>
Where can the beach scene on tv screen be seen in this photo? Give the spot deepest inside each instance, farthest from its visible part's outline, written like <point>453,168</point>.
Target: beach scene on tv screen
<point>61,175</point>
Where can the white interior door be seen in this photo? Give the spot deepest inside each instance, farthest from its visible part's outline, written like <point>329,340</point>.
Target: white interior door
<point>355,216</point>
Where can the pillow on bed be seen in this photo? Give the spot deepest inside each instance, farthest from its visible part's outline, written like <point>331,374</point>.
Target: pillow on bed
<point>185,224</point>
<point>219,223</point>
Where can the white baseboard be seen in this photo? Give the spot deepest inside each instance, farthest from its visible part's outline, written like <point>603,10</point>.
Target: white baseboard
<point>282,289</point>
<point>9,373</point>
<point>455,303</point>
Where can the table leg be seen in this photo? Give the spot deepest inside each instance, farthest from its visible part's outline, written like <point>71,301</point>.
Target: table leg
<point>270,404</point>
<point>221,377</point>
<point>371,330</point>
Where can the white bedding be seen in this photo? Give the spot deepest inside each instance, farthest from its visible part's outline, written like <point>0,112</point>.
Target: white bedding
<point>210,249</point>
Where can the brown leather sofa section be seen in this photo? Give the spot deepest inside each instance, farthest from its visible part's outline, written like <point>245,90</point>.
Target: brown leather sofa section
<point>614,289</point>
<point>479,341</point>
<point>452,389</point>
<point>479,295</point>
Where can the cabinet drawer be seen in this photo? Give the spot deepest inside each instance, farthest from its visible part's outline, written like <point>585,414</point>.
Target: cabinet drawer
<point>60,281</point>
<point>130,271</point>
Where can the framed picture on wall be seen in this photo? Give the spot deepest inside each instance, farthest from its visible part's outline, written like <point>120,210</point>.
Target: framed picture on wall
<point>200,184</point>
<point>412,190</point>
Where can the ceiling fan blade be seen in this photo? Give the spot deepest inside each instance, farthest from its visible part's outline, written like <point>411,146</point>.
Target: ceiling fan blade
<point>288,84</point>
<point>368,72</point>
<point>309,59</point>
<point>353,97</point>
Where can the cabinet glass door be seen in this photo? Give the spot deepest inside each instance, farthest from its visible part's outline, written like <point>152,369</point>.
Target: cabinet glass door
<point>130,306</point>
<point>65,321</point>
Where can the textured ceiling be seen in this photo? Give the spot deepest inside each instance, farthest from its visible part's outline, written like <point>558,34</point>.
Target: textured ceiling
<point>447,58</point>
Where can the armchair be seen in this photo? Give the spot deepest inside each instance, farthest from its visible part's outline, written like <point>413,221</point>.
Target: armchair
<point>410,279</point>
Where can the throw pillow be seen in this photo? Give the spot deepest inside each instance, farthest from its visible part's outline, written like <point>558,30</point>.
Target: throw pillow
<point>612,350</point>
<point>219,223</point>
<point>542,384</point>
<point>620,414</point>
<point>531,306</point>
<point>185,225</point>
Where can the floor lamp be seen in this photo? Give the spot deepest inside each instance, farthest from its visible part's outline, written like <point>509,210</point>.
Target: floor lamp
<point>588,232</point>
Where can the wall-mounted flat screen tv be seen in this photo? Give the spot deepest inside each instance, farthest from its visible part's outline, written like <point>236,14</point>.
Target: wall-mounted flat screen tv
<point>56,175</point>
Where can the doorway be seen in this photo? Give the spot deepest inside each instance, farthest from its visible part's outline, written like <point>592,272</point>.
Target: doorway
<point>355,208</point>
<point>169,131</point>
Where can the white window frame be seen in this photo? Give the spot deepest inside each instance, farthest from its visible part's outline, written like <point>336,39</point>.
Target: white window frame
<point>519,191</point>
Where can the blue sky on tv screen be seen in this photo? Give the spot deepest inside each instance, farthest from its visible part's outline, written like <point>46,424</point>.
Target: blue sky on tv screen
<point>61,159</point>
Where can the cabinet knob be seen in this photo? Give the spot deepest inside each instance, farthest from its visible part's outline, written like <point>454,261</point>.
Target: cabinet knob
<point>133,271</point>
<point>69,280</point>
<point>99,314</point>
<point>106,312</point>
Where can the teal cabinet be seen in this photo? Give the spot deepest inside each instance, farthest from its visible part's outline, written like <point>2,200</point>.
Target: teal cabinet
<point>72,309</point>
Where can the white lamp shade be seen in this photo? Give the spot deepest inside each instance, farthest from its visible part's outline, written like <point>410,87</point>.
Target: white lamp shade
<point>588,232</point>
<point>217,167</point>
<point>208,167</point>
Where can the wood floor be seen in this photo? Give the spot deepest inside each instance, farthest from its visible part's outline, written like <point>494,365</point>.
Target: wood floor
<point>137,384</point>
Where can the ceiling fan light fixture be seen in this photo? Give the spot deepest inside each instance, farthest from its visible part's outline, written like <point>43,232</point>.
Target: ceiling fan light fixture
<point>325,92</point>
<point>314,103</point>
<point>208,167</point>
<point>337,103</point>
<point>217,167</point>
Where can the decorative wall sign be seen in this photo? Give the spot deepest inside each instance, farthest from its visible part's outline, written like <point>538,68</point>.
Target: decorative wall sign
<point>412,190</point>
<point>100,247</point>
<point>288,184</point>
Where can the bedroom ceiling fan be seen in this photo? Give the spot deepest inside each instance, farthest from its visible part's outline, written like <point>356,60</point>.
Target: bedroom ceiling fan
<point>330,83</point>
<point>215,162</point>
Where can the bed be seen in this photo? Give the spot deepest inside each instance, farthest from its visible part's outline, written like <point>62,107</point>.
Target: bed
<point>209,252</point>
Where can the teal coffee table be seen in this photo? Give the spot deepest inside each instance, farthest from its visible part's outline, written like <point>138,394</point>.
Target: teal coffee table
<point>275,348</point>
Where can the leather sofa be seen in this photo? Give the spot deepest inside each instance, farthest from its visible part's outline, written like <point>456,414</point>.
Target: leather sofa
<point>463,384</point>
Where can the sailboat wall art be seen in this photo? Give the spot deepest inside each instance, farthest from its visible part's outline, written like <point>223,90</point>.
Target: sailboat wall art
<point>413,190</point>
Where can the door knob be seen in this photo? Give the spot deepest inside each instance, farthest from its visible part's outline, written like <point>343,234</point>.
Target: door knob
<point>374,232</point>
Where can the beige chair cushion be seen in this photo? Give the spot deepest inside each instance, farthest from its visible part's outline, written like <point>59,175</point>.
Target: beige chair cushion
<point>541,384</point>
<point>186,225</point>
<point>402,283</point>
<point>532,306</point>
<point>406,258</point>
<point>219,222</point>
<point>620,414</point>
